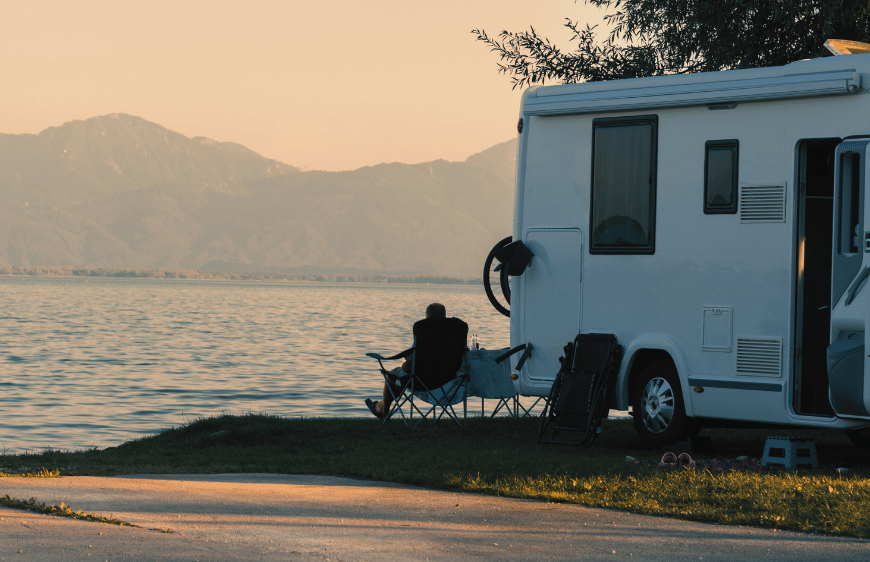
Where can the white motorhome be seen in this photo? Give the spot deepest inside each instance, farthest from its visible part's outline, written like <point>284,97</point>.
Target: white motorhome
<point>715,223</point>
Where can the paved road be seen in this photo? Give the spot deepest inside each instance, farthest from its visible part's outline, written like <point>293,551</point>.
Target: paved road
<point>280,517</point>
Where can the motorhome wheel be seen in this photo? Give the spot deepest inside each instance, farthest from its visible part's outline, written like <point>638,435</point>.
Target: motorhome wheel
<point>659,416</point>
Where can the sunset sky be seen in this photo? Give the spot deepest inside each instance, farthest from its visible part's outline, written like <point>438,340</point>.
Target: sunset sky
<point>329,85</point>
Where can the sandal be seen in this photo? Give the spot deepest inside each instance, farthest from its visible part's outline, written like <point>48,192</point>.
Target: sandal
<point>685,460</point>
<point>668,459</point>
<point>377,408</point>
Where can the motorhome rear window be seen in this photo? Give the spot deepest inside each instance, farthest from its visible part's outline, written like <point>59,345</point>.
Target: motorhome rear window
<point>623,185</point>
<point>720,177</point>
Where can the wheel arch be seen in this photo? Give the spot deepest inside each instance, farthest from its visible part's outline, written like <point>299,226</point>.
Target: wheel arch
<point>642,351</point>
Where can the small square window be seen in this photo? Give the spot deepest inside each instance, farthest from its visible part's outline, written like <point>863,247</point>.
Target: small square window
<point>720,177</point>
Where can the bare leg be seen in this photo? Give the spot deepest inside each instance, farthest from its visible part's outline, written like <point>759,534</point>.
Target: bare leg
<point>392,376</point>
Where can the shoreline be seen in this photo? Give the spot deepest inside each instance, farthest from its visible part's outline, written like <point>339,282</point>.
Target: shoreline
<point>193,274</point>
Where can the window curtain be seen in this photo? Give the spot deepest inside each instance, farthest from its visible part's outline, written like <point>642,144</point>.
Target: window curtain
<point>622,173</point>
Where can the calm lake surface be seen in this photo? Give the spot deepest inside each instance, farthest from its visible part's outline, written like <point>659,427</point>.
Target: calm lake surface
<point>98,361</point>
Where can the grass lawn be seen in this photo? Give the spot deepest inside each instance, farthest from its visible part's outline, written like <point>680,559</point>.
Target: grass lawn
<point>499,456</point>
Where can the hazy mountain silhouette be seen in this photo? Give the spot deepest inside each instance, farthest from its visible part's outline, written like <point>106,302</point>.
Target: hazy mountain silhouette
<point>119,191</point>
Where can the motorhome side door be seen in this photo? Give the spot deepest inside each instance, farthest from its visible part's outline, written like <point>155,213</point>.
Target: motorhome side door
<point>551,299</point>
<point>848,367</point>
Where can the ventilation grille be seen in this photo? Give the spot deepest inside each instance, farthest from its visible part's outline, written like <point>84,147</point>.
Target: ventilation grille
<point>759,357</point>
<point>762,203</point>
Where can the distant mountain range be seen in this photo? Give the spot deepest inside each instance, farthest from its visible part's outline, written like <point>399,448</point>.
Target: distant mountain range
<point>119,191</point>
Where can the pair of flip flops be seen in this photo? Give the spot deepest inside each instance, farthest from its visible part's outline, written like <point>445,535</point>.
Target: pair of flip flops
<point>670,459</point>
<point>377,408</point>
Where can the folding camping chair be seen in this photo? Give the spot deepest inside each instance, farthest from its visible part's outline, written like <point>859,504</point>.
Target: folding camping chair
<point>435,378</point>
<point>578,398</point>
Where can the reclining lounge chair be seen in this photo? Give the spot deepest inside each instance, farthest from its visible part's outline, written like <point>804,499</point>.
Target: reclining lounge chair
<point>578,398</point>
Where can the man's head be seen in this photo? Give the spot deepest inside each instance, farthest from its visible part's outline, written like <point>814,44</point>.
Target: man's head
<point>436,310</point>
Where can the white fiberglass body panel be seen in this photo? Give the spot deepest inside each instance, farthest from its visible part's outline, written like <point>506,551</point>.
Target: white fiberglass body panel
<point>718,291</point>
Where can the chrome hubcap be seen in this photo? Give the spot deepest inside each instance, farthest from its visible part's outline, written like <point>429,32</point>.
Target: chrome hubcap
<point>657,405</point>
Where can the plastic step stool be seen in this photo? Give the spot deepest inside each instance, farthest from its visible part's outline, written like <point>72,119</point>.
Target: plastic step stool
<point>790,452</point>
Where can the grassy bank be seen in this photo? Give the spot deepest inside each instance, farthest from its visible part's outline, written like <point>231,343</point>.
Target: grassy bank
<point>500,457</point>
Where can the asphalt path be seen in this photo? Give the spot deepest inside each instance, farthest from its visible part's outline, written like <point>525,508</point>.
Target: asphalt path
<point>285,517</point>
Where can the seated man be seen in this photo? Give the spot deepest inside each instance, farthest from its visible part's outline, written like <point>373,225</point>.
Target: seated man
<point>440,342</point>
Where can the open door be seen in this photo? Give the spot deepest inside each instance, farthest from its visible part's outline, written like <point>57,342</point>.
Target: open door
<point>848,367</point>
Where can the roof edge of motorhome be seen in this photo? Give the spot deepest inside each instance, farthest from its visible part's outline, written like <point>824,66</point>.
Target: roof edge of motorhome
<point>812,77</point>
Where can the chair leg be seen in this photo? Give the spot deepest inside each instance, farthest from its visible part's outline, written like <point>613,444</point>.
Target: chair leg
<point>502,403</point>
<point>463,386</point>
<point>527,412</point>
<point>444,405</point>
<point>402,394</point>
<point>396,406</point>
<point>409,399</point>
<point>400,398</point>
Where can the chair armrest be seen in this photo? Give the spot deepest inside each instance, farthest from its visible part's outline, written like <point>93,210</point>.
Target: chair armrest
<point>379,357</point>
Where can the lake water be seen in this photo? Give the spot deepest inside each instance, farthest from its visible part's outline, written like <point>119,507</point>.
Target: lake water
<point>94,362</point>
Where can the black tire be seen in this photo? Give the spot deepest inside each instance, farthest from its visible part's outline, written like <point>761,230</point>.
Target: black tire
<point>657,403</point>
<point>501,297</point>
<point>859,437</point>
<point>505,282</point>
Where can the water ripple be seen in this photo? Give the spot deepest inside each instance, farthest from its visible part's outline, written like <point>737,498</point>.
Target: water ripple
<point>96,362</point>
